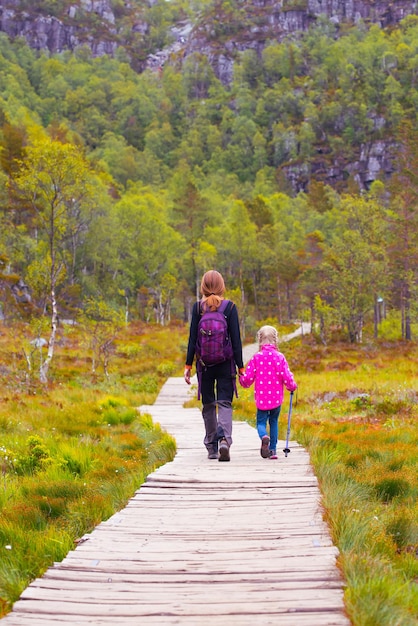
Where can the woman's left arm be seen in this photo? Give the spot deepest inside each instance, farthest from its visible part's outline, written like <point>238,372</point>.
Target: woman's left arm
<point>191,347</point>
<point>235,335</point>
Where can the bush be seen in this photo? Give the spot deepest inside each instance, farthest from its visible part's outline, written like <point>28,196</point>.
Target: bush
<point>36,459</point>
<point>391,487</point>
<point>166,369</point>
<point>403,528</point>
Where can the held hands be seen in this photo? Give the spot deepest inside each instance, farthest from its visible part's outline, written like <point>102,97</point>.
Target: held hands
<point>187,373</point>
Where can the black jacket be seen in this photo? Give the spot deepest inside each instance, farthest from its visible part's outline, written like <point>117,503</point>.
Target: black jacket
<point>233,329</point>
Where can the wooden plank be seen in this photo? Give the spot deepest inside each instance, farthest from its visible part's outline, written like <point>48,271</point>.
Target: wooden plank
<point>292,618</point>
<point>152,588</point>
<point>244,565</point>
<point>266,601</point>
<point>135,608</point>
<point>201,543</point>
<point>151,595</point>
<point>195,543</point>
<point>318,574</point>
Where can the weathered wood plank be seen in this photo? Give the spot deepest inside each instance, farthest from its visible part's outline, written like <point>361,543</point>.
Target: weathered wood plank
<point>193,563</point>
<point>291,618</point>
<point>201,543</point>
<point>177,542</point>
<point>111,585</point>
<point>138,607</point>
<point>264,601</point>
<point>310,574</point>
<point>147,595</point>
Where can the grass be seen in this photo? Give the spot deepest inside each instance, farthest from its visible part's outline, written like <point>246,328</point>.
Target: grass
<point>356,412</point>
<point>73,452</point>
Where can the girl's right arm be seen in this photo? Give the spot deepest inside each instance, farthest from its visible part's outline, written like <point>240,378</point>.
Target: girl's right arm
<point>248,377</point>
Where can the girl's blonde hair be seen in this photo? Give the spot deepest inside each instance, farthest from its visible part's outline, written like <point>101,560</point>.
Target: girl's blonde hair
<point>212,288</point>
<point>267,334</point>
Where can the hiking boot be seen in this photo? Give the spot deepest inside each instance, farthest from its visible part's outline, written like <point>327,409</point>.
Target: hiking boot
<point>212,449</point>
<point>273,455</point>
<point>264,450</point>
<point>224,451</point>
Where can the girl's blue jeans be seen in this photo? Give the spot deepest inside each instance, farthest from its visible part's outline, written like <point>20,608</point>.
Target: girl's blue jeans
<point>272,417</point>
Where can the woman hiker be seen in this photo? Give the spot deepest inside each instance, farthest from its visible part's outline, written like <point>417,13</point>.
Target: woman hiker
<point>216,364</point>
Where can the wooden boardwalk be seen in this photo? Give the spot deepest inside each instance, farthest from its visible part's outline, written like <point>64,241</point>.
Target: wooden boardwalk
<point>201,543</point>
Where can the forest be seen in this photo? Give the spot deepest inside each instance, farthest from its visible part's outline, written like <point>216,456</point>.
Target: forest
<point>120,188</point>
<point>121,182</point>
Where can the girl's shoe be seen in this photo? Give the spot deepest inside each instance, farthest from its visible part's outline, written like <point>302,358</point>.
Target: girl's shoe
<point>273,455</point>
<point>264,450</point>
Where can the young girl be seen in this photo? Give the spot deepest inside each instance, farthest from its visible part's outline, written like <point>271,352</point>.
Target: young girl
<point>269,370</point>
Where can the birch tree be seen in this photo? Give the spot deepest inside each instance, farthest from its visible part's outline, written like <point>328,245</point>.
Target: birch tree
<point>56,183</point>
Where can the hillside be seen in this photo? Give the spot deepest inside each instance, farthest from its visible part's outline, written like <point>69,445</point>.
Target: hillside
<point>216,28</point>
<point>228,36</point>
<point>295,177</point>
<point>103,26</point>
<point>226,29</point>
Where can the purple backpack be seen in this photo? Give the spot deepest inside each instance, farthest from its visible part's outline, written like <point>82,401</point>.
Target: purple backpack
<point>213,343</point>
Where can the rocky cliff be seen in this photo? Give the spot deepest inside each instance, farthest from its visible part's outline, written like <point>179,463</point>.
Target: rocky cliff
<point>220,34</point>
<point>69,24</point>
<point>103,25</point>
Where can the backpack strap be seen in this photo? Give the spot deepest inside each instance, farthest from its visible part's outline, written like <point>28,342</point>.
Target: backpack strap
<point>228,308</point>
<point>225,307</point>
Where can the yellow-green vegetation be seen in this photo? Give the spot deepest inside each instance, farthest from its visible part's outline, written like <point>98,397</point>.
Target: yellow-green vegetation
<point>73,452</point>
<point>356,412</point>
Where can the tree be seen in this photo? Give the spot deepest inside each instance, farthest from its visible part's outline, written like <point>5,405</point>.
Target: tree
<point>57,183</point>
<point>7,282</point>
<point>312,257</point>
<point>403,224</point>
<point>288,267</point>
<point>190,216</point>
<point>149,249</point>
<point>198,75</point>
<point>101,324</point>
<point>238,242</point>
<point>355,263</point>
<point>287,243</point>
<point>120,159</point>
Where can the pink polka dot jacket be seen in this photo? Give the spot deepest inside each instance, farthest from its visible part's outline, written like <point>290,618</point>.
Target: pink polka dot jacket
<point>269,370</point>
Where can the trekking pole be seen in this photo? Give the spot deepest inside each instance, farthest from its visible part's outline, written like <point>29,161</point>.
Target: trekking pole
<point>289,415</point>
